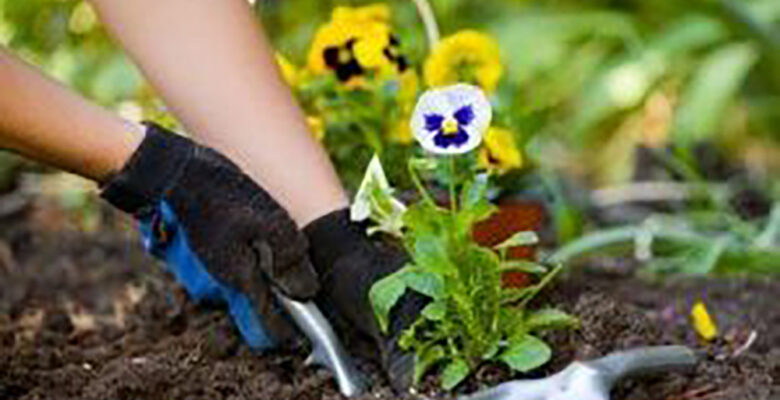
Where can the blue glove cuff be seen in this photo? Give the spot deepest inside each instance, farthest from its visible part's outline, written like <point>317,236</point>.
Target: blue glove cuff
<point>163,238</point>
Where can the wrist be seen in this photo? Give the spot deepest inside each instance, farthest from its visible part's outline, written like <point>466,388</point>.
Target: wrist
<point>129,141</point>
<point>152,166</point>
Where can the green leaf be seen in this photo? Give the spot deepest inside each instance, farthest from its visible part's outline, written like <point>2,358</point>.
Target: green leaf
<point>524,238</point>
<point>550,318</point>
<point>467,217</point>
<point>454,373</point>
<point>492,349</point>
<point>374,200</point>
<point>409,337</point>
<point>523,266</point>
<point>384,294</point>
<point>526,353</point>
<point>424,282</point>
<point>435,311</point>
<point>422,218</point>
<point>430,254</point>
<point>474,191</point>
<point>427,358</point>
<point>712,89</point>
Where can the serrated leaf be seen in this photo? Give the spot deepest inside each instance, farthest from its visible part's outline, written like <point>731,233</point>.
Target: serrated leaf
<point>524,238</point>
<point>425,282</point>
<point>523,266</point>
<point>526,353</point>
<point>455,372</point>
<point>435,311</point>
<point>426,359</point>
<point>550,318</point>
<point>384,294</point>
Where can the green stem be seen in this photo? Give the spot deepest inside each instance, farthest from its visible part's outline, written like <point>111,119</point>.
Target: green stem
<point>541,285</point>
<point>453,197</point>
<point>419,185</point>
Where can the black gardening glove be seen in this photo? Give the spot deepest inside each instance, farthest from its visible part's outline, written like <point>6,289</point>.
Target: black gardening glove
<point>221,235</point>
<point>348,264</point>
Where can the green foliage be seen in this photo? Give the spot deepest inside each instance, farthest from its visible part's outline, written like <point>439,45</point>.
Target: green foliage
<point>714,85</point>
<point>471,318</point>
<point>690,245</point>
<point>358,121</point>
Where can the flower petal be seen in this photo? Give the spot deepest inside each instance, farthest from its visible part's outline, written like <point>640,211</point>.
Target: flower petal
<point>465,103</point>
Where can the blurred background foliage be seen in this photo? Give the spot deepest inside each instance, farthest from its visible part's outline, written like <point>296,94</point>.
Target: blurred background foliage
<point>589,87</point>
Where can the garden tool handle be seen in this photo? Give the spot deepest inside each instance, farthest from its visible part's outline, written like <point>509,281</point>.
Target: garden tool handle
<point>327,350</point>
<point>644,360</point>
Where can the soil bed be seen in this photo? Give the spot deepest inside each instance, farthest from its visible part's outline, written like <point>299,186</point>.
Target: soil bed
<point>89,316</point>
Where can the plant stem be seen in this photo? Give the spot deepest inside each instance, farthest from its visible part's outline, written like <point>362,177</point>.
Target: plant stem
<point>539,286</point>
<point>425,11</point>
<point>453,197</point>
<point>419,185</point>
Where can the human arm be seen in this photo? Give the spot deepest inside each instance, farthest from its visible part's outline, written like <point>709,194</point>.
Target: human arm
<point>222,236</point>
<point>41,119</point>
<point>216,71</point>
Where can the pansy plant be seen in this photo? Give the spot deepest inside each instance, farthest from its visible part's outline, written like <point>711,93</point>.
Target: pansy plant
<point>470,318</point>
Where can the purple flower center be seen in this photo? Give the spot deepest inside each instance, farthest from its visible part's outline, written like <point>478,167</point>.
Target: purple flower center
<point>435,123</point>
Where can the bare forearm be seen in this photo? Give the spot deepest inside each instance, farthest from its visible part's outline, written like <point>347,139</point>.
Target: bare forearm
<point>45,121</point>
<point>212,65</point>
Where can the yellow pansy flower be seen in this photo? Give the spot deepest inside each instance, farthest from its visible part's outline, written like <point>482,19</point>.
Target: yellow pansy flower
<point>499,152</point>
<point>467,56</point>
<point>354,42</point>
<point>288,70</point>
<point>369,49</point>
<point>702,322</point>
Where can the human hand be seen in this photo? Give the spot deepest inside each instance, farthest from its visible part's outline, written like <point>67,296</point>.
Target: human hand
<point>221,235</point>
<point>348,264</point>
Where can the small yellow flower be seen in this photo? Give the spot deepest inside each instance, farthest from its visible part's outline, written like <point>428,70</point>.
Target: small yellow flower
<point>702,322</point>
<point>467,56</point>
<point>369,49</point>
<point>499,152</point>
<point>316,126</point>
<point>289,71</point>
<point>356,41</point>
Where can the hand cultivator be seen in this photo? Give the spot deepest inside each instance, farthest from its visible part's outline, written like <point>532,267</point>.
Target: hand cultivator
<point>593,380</point>
<point>582,380</point>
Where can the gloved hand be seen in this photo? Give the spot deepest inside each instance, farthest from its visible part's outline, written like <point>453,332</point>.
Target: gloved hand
<point>348,264</point>
<point>222,236</point>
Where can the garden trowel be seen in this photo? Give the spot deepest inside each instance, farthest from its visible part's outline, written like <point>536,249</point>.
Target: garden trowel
<point>327,350</point>
<point>593,380</point>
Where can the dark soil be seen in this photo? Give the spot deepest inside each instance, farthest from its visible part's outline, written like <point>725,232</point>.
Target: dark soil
<point>89,316</point>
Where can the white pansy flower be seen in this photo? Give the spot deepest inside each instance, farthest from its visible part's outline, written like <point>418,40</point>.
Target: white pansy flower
<point>451,120</point>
